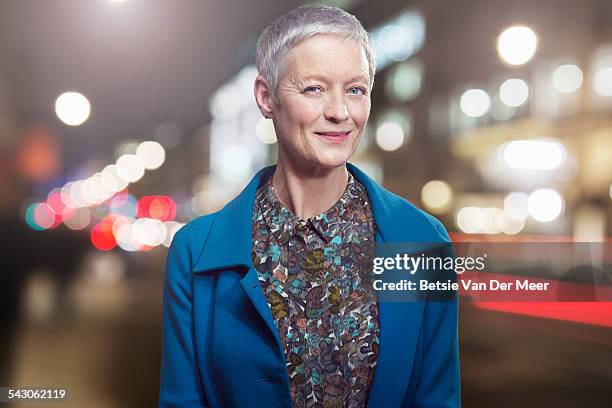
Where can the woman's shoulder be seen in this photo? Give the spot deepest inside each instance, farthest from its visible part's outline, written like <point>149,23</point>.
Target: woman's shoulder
<point>193,235</point>
<point>404,216</point>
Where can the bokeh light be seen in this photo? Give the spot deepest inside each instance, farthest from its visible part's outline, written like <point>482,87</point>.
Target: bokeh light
<point>110,179</point>
<point>123,204</point>
<point>122,230</point>
<point>514,92</point>
<point>72,108</point>
<point>101,234</point>
<point>54,200</point>
<point>172,228</point>
<point>30,218</point>
<point>437,196</point>
<point>161,208</point>
<point>404,80</point>
<point>602,81</point>
<point>390,136</point>
<point>475,102</point>
<point>516,45</point>
<point>79,220</point>
<point>38,156</point>
<point>152,154</point>
<point>130,168</point>
<point>567,78</point>
<point>516,206</point>
<point>509,225</point>
<point>537,154</point>
<point>470,220</point>
<point>148,231</point>
<point>545,204</point>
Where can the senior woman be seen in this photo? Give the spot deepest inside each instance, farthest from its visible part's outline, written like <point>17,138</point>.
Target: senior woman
<point>269,302</point>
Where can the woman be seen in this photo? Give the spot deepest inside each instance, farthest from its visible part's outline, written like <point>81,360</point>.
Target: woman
<point>269,301</point>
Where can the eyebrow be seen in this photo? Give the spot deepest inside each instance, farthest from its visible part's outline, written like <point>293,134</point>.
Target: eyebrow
<point>323,79</point>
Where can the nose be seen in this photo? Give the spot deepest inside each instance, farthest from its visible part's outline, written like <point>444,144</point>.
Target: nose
<point>336,110</point>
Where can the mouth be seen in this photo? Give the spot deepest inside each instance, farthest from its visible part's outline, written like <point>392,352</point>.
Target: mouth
<point>334,137</point>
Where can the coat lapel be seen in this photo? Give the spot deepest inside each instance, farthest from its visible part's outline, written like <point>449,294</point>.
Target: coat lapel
<point>229,245</point>
<point>399,321</point>
<point>230,241</point>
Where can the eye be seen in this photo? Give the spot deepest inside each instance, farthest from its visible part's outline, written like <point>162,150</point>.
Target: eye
<point>358,89</point>
<point>313,89</point>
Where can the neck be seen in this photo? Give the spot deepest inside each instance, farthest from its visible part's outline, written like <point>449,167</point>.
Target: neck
<point>308,191</point>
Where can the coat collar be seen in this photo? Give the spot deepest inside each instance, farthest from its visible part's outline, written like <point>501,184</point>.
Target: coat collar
<point>231,232</point>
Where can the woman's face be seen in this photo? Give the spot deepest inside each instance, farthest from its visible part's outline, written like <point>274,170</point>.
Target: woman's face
<point>323,102</point>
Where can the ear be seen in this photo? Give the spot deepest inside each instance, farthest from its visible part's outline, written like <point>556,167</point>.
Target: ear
<point>264,97</point>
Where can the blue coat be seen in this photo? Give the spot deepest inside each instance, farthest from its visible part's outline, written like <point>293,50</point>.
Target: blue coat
<point>221,347</point>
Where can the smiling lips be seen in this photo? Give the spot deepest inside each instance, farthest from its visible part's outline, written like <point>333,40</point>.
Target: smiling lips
<point>334,137</point>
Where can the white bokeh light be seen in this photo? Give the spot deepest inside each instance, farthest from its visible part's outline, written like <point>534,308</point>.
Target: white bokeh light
<point>130,168</point>
<point>72,108</point>
<point>471,220</point>
<point>86,193</point>
<point>152,154</point>
<point>122,231</point>
<point>537,154</point>
<point>148,231</point>
<point>514,92</point>
<point>475,102</point>
<point>76,197</point>
<point>96,189</point>
<point>172,228</point>
<point>545,204</point>
<point>65,195</point>
<point>509,225</point>
<point>516,205</point>
<point>516,45</point>
<point>111,180</point>
<point>567,78</point>
<point>390,136</point>
<point>602,81</point>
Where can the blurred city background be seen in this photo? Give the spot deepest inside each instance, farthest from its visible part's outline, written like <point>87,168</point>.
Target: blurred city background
<point>120,121</point>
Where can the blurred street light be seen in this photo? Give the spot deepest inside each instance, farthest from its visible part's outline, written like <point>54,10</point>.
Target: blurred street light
<point>72,108</point>
<point>516,45</point>
<point>542,154</point>
<point>475,102</point>
<point>545,204</point>
<point>602,81</point>
<point>514,92</point>
<point>567,78</point>
<point>390,136</point>
<point>437,196</point>
<point>152,154</point>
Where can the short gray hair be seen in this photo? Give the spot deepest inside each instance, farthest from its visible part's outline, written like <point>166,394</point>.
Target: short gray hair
<point>288,30</point>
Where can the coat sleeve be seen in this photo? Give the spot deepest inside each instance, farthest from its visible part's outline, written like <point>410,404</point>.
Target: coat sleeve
<point>180,384</point>
<point>438,384</point>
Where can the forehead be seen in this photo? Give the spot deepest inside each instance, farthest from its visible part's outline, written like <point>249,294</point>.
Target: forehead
<point>327,55</point>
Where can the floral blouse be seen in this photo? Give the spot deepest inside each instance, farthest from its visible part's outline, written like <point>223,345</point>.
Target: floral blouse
<point>316,280</point>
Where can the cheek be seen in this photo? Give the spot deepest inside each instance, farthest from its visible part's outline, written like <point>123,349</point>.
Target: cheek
<point>302,113</point>
<point>360,113</point>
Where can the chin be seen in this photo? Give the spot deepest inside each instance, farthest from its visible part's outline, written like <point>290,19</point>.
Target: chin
<point>330,161</point>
